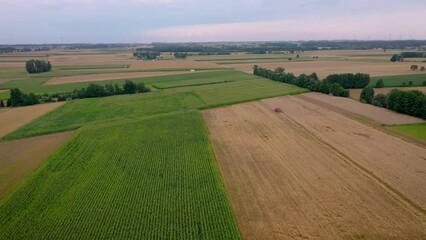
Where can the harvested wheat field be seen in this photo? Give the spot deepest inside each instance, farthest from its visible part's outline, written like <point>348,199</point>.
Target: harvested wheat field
<point>91,59</point>
<point>288,180</point>
<point>110,76</point>
<point>380,115</point>
<point>325,68</point>
<point>19,158</point>
<point>356,93</point>
<point>170,64</point>
<point>14,118</point>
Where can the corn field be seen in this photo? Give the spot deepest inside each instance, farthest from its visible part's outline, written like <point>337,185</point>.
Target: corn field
<point>163,183</point>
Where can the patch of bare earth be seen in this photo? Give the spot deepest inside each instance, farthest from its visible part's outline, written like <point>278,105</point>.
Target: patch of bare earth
<point>110,76</point>
<point>380,115</point>
<point>311,173</point>
<point>356,93</point>
<point>325,68</point>
<point>14,118</point>
<point>19,158</point>
<point>168,64</point>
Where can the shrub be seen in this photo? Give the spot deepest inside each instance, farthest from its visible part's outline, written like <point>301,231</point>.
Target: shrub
<point>414,67</point>
<point>380,84</point>
<point>380,100</point>
<point>422,68</point>
<point>367,94</point>
<point>2,104</point>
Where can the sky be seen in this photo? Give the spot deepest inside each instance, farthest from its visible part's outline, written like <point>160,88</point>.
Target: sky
<point>145,21</point>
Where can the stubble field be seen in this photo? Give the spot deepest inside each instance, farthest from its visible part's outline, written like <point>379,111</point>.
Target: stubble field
<point>311,173</point>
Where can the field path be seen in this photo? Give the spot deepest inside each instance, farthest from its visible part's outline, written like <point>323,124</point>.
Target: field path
<point>285,182</point>
<point>14,118</point>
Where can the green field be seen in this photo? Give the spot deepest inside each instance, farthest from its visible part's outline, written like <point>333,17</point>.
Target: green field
<point>28,83</point>
<point>78,113</point>
<point>150,179</point>
<point>398,81</point>
<point>416,130</point>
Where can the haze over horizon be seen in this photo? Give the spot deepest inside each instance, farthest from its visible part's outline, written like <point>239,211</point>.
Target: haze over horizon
<point>144,21</point>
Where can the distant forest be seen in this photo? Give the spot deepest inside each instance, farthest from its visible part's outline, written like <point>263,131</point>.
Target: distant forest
<point>216,48</point>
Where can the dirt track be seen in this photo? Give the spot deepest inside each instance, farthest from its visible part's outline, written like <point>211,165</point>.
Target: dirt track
<point>19,158</point>
<point>300,174</point>
<point>14,118</point>
<point>109,76</point>
<point>325,68</point>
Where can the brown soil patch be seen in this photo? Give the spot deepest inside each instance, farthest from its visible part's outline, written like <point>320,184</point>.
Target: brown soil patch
<point>19,158</point>
<point>3,90</point>
<point>380,115</point>
<point>167,64</point>
<point>92,59</point>
<point>14,118</point>
<point>325,68</point>
<point>356,93</point>
<point>286,182</point>
<point>110,76</point>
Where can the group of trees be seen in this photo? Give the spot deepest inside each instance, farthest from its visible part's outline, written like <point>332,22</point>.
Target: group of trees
<point>413,54</point>
<point>38,66</point>
<point>180,55</point>
<point>349,80</point>
<point>408,102</point>
<point>17,98</point>
<point>396,58</point>
<point>146,55</point>
<point>310,82</point>
<point>415,68</point>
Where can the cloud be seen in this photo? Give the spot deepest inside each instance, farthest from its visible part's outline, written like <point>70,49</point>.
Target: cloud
<point>373,26</point>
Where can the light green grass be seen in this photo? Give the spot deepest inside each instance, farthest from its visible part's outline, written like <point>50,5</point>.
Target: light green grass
<point>416,130</point>
<point>78,113</point>
<point>35,83</point>
<point>150,179</point>
<point>398,81</point>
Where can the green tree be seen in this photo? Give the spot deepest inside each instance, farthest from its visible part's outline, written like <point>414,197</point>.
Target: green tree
<point>414,67</point>
<point>16,97</point>
<point>422,68</point>
<point>380,100</point>
<point>380,84</point>
<point>394,58</point>
<point>129,87</point>
<point>2,104</point>
<point>367,94</point>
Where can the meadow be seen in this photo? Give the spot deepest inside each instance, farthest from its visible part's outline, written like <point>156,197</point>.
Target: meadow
<point>398,81</point>
<point>77,113</point>
<point>148,179</point>
<point>416,130</point>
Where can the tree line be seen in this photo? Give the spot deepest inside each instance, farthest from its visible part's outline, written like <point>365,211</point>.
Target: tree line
<point>37,66</point>
<point>17,98</point>
<point>180,55</point>
<point>413,54</point>
<point>146,55</point>
<point>407,102</point>
<point>310,82</point>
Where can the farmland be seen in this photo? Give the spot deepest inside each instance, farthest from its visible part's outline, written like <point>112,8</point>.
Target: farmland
<point>212,152</point>
<point>416,130</point>
<point>93,111</point>
<point>21,157</point>
<point>295,175</point>
<point>163,183</point>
